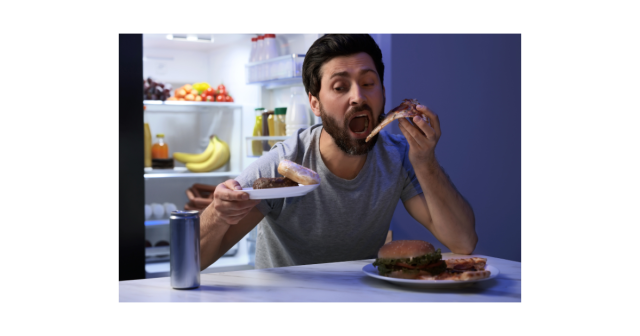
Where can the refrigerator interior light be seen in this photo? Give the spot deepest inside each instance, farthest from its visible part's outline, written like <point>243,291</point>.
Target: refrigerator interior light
<point>190,38</point>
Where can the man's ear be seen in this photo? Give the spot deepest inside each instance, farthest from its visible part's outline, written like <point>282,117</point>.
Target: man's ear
<point>315,105</point>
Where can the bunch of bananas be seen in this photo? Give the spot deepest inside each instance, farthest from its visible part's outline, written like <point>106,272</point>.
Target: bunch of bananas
<point>215,156</point>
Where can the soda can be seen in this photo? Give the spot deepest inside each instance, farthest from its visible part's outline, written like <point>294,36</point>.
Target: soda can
<point>184,249</point>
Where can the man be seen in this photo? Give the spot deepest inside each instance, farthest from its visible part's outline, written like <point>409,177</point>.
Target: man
<point>348,216</point>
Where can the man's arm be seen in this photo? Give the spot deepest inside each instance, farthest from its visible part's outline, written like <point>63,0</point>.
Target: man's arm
<point>444,212</point>
<point>225,221</point>
<point>441,208</point>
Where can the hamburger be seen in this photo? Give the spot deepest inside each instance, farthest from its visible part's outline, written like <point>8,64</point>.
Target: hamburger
<point>409,259</point>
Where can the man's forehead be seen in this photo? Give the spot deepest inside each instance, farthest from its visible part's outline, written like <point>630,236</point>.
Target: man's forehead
<point>346,65</point>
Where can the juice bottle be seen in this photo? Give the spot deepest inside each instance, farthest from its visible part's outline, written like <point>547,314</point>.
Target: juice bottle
<point>256,145</point>
<point>147,145</point>
<point>272,131</point>
<point>160,149</point>
<point>279,121</point>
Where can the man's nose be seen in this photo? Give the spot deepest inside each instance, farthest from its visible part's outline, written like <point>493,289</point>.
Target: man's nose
<point>356,98</point>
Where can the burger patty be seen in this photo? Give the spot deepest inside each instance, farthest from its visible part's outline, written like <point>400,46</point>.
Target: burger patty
<point>274,182</point>
<point>431,262</point>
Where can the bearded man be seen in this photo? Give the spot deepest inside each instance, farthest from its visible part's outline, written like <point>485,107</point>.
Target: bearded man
<point>348,216</point>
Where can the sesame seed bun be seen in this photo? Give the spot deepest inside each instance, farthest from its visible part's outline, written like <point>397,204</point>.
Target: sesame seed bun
<point>405,249</point>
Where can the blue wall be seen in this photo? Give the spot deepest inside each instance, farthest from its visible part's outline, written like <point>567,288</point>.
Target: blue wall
<point>473,83</point>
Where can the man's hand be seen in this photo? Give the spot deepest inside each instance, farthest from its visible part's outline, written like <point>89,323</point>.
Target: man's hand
<point>229,205</point>
<point>219,229</point>
<point>422,136</point>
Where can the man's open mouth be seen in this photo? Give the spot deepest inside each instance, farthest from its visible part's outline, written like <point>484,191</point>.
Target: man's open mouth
<point>359,124</point>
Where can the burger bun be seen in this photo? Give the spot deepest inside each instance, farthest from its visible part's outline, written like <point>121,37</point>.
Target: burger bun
<point>405,249</point>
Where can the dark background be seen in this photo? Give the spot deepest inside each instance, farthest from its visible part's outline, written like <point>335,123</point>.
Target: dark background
<point>131,159</point>
<point>473,83</point>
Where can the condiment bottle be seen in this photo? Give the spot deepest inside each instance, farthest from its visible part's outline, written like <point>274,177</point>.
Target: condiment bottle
<point>254,50</point>
<point>279,121</point>
<point>265,130</point>
<point>160,149</point>
<point>256,145</point>
<point>147,145</point>
<point>272,130</point>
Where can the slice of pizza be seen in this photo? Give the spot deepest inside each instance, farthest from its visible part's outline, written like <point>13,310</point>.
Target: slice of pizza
<point>462,269</point>
<point>457,275</point>
<point>407,109</point>
<point>476,264</point>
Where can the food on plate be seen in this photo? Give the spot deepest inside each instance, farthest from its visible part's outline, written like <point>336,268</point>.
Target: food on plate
<point>298,173</point>
<point>409,259</point>
<point>467,264</point>
<point>274,182</point>
<point>462,269</point>
<point>407,109</point>
<point>457,275</point>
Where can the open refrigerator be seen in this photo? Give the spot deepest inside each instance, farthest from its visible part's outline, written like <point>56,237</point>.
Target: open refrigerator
<point>180,59</point>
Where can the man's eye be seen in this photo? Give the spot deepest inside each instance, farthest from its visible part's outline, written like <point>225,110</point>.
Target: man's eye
<point>339,88</point>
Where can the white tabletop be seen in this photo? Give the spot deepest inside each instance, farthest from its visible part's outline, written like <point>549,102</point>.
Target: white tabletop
<point>332,282</point>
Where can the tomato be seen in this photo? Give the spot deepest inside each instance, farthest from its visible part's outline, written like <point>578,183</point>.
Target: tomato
<point>220,98</point>
<point>221,89</point>
<point>228,99</point>
<point>210,91</point>
<point>210,99</point>
<point>204,96</point>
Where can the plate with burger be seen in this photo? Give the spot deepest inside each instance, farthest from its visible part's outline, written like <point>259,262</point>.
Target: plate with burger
<point>297,180</point>
<point>417,263</point>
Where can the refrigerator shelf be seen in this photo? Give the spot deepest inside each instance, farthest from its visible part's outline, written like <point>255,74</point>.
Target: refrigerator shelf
<point>280,71</point>
<point>155,103</point>
<point>192,175</point>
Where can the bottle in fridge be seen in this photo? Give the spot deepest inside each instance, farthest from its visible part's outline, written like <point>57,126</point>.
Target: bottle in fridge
<point>298,111</point>
<point>160,149</point>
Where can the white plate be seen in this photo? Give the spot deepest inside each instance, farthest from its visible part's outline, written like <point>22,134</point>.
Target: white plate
<point>283,192</point>
<point>149,170</point>
<point>372,271</point>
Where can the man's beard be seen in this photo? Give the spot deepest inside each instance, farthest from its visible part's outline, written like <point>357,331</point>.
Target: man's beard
<point>341,134</point>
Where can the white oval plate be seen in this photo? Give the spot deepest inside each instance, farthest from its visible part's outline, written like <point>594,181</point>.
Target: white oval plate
<point>269,193</point>
<point>372,271</point>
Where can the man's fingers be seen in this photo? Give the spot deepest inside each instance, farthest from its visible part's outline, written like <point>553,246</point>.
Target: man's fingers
<point>229,191</point>
<point>433,119</point>
<point>405,129</point>
<point>232,184</point>
<point>424,126</point>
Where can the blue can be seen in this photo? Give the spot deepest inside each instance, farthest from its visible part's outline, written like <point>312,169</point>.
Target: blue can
<point>185,249</point>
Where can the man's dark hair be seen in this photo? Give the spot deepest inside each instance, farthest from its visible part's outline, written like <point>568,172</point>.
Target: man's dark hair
<point>333,45</point>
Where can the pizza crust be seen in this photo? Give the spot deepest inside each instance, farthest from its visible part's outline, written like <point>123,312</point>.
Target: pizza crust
<point>462,269</point>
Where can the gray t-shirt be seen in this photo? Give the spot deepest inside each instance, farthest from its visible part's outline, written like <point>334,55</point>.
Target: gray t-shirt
<point>341,219</point>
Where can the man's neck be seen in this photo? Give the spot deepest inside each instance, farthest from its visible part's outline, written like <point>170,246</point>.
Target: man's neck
<point>339,163</point>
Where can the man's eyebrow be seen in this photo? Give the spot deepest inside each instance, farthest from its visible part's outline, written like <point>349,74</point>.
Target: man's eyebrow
<point>346,74</point>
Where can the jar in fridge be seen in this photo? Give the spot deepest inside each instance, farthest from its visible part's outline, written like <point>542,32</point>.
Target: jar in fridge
<point>253,73</point>
<point>160,150</point>
<point>298,111</point>
<point>254,49</point>
<point>256,145</point>
<point>272,130</point>
<point>270,46</point>
<point>265,130</point>
<point>279,121</point>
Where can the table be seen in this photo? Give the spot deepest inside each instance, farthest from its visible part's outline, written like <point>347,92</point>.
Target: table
<point>331,282</point>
